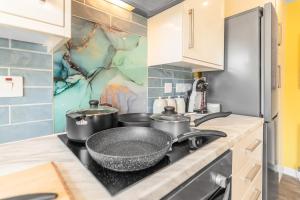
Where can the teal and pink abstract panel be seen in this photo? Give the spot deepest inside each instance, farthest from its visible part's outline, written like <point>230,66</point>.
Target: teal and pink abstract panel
<point>99,63</point>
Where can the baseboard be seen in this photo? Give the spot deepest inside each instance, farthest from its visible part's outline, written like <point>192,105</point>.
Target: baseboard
<point>291,172</point>
<point>284,170</point>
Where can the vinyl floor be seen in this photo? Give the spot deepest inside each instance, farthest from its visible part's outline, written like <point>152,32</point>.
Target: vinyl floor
<point>289,188</point>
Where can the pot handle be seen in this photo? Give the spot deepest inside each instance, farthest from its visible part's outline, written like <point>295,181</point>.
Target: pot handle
<point>81,121</point>
<point>199,121</point>
<point>202,133</point>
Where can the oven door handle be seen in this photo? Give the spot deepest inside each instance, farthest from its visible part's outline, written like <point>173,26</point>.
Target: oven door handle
<point>227,192</point>
<point>220,190</point>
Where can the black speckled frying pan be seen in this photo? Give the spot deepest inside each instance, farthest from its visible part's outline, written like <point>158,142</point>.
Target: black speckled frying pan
<point>134,148</point>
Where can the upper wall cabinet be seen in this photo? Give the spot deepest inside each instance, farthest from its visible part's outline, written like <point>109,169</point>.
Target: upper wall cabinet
<point>190,34</point>
<point>40,21</point>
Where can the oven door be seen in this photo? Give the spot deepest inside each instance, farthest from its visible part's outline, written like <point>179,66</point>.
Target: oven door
<point>211,183</point>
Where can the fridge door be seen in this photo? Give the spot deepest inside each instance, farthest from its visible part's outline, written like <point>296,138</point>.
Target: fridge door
<point>270,82</point>
<point>238,87</point>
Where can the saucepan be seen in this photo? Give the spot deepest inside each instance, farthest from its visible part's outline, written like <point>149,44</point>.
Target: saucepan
<point>176,124</point>
<point>169,121</point>
<point>84,122</point>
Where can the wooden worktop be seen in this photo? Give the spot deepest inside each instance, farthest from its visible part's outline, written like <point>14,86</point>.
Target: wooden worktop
<point>28,153</point>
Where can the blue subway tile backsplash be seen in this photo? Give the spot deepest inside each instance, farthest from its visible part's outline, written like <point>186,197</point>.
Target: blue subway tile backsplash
<point>28,46</point>
<point>25,59</point>
<point>4,115</point>
<point>155,92</point>
<point>31,113</point>
<point>34,78</point>
<point>3,72</point>
<point>128,26</point>
<point>89,13</point>
<point>25,130</point>
<point>31,95</point>
<point>161,74</point>
<point>4,42</point>
<point>154,82</point>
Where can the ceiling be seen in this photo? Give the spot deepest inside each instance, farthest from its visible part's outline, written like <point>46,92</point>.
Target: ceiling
<point>149,8</point>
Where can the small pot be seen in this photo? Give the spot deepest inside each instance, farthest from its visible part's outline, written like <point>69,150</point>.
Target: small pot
<point>83,123</point>
<point>177,124</point>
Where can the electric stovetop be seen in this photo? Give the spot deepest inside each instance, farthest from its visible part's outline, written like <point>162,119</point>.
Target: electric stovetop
<point>115,182</point>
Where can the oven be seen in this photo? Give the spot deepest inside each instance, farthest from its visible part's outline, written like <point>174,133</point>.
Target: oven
<point>211,183</point>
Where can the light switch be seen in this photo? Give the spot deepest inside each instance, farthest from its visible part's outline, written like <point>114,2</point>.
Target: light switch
<point>168,87</point>
<point>11,86</point>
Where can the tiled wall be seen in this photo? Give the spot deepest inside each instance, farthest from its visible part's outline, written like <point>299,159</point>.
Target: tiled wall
<point>30,115</point>
<point>111,15</point>
<point>159,75</point>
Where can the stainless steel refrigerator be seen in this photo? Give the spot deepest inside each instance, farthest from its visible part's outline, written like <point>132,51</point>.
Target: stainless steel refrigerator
<point>250,81</point>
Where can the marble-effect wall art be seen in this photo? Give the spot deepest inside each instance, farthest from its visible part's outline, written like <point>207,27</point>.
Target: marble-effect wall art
<point>99,63</point>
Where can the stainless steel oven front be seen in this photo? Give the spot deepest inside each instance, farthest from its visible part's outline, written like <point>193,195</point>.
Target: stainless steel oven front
<point>211,183</point>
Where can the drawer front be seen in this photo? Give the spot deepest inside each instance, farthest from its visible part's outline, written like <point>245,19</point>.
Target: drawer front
<point>250,147</point>
<point>255,190</point>
<point>242,181</point>
<point>47,11</point>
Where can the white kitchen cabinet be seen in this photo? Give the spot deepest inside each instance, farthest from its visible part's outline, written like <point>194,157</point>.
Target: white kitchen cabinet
<point>190,34</point>
<point>40,21</point>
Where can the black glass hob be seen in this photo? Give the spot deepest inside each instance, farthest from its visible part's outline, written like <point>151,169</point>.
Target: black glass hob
<point>115,182</point>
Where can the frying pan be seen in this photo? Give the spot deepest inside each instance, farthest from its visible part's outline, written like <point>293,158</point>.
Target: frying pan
<point>134,148</point>
<point>135,119</point>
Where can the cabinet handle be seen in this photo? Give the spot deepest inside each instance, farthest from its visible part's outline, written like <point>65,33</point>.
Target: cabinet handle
<point>255,195</point>
<point>253,146</point>
<point>191,28</point>
<point>252,173</point>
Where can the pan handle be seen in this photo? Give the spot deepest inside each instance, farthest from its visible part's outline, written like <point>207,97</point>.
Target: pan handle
<point>199,121</point>
<point>202,133</point>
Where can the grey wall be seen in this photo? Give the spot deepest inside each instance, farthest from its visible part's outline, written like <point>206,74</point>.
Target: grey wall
<point>30,115</point>
<point>161,74</point>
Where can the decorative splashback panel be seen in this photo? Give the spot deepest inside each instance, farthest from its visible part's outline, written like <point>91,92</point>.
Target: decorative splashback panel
<point>99,63</point>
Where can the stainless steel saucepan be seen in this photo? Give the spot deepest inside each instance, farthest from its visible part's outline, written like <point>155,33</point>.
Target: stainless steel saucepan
<point>177,124</point>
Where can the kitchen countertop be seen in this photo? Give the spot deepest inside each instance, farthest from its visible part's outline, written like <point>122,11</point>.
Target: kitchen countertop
<point>28,153</point>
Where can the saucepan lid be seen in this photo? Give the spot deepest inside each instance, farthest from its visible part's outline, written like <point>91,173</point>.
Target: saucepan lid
<point>94,110</point>
<point>169,115</point>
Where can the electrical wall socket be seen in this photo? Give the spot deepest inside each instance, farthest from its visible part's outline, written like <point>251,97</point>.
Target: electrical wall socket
<point>11,86</point>
<point>168,88</point>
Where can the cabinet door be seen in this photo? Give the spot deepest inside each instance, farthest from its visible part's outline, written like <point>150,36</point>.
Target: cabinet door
<point>47,11</point>
<point>203,31</point>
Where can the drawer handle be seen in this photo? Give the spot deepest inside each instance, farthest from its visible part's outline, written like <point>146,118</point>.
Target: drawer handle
<point>255,195</point>
<point>252,173</point>
<point>253,146</point>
